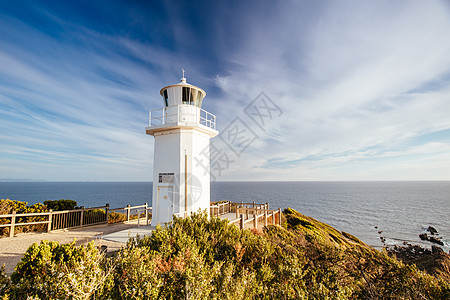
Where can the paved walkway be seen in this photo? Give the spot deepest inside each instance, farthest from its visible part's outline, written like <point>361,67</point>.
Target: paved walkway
<point>114,236</point>
<point>124,235</point>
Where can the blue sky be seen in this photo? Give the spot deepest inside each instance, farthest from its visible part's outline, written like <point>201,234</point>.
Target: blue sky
<point>361,88</point>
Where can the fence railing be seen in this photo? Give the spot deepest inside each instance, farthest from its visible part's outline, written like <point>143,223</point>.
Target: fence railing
<point>130,214</point>
<point>219,209</point>
<point>69,219</point>
<point>247,213</point>
<point>56,220</point>
<point>256,215</point>
<point>59,219</point>
<point>65,219</point>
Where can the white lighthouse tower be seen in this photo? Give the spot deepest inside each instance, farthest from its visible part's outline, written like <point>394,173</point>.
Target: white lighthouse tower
<point>181,166</point>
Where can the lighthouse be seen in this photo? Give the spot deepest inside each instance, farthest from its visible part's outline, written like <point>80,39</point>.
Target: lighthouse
<point>181,165</point>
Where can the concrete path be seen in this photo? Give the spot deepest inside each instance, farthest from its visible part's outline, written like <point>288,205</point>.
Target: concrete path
<point>12,249</point>
<point>124,235</point>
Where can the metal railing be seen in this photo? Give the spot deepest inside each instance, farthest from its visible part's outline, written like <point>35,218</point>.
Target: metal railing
<point>161,116</point>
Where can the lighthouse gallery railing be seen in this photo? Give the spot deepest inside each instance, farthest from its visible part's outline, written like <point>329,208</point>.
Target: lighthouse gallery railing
<point>161,116</point>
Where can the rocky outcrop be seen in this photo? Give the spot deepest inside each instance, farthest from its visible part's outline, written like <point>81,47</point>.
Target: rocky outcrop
<point>433,239</point>
<point>435,261</point>
<point>432,230</point>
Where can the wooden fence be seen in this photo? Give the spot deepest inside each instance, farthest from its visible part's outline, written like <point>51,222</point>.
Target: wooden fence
<point>246,213</point>
<point>56,220</point>
<point>77,218</point>
<point>254,216</point>
<point>220,208</point>
<point>132,213</point>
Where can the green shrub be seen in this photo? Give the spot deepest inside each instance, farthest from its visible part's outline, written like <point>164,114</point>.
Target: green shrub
<point>7,206</point>
<point>115,217</point>
<point>61,204</point>
<point>54,271</point>
<point>201,258</point>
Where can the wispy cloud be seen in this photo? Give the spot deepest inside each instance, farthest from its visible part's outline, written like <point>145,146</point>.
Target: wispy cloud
<point>363,87</point>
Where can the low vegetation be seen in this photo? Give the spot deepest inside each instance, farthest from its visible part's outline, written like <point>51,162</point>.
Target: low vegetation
<point>7,206</point>
<point>61,204</point>
<point>197,258</point>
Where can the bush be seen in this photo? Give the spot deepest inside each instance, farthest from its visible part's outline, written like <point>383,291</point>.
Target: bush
<point>61,204</point>
<point>7,206</point>
<point>53,271</point>
<point>115,217</point>
<point>197,258</point>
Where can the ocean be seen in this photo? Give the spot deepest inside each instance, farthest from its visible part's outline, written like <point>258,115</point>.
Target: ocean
<point>398,211</point>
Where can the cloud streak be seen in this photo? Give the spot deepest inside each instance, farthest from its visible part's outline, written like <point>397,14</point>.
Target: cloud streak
<point>363,87</point>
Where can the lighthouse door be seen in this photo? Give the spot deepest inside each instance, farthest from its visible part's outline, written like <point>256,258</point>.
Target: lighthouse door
<point>165,204</point>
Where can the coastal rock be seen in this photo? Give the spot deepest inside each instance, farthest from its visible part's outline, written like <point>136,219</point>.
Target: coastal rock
<point>423,236</point>
<point>436,240</point>
<point>432,230</point>
<point>435,262</point>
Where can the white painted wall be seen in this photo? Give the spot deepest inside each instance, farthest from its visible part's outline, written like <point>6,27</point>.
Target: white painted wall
<point>171,146</point>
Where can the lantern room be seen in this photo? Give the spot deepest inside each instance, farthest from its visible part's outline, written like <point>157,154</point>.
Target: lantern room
<point>182,93</point>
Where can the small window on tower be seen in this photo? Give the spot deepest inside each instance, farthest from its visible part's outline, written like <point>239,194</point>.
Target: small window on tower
<point>166,98</point>
<point>186,92</point>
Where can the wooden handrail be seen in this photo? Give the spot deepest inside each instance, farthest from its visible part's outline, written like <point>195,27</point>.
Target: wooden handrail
<point>62,219</point>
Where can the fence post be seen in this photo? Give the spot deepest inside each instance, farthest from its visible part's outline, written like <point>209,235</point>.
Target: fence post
<point>50,220</point>
<point>128,213</point>
<point>267,205</point>
<point>279,216</point>
<point>107,214</point>
<point>241,223</point>
<point>237,212</point>
<point>13,222</point>
<point>255,221</point>
<point>82,216</point>
<point>146,213</point>
<point>265,218</point>
<point>253,204</point>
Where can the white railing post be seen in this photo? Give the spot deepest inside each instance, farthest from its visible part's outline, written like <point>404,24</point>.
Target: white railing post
<point>13,222</point>
<point>50,220</point>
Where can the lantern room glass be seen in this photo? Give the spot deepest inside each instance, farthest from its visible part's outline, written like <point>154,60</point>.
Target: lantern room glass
<point>191,96</point>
